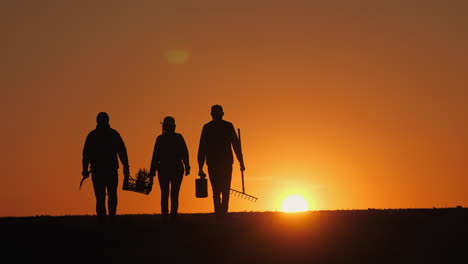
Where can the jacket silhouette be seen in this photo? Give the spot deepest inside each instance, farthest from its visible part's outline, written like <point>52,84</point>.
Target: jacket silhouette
<point>170,159</point>
<point>217,141</point>
<point>102,150</point>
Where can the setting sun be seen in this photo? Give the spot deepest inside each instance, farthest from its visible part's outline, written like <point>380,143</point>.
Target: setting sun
<point>294,203</point>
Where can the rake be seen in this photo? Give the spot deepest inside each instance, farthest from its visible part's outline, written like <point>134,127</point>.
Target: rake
<point>239,193</point>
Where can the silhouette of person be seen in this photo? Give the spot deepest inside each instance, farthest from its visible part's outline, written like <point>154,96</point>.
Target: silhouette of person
<point>170,159</point>
<point>217,140</point>
<point>101,151</point>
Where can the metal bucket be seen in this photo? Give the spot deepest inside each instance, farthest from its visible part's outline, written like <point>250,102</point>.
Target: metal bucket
<point>201,188</point>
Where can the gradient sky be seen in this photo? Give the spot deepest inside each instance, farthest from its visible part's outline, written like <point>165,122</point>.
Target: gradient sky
<point>352,104</point>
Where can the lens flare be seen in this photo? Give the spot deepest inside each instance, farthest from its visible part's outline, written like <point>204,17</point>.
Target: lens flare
<point>177,56</point>
<point>294,203</point>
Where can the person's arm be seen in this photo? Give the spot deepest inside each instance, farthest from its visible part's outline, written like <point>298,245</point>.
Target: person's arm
<point>155,158</point>
<point>236,145</point>
<point>185,156</point>
<point>122,152</point>
<point>85,159</point>
<point>202,153</point>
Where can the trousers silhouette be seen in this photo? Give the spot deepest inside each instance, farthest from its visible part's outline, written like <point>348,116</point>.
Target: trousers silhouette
<point>169,183</point>
<point>220,178</point>
<point>105,181</point>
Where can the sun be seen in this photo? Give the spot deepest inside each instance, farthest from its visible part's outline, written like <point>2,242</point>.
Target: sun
<point>294,203</point>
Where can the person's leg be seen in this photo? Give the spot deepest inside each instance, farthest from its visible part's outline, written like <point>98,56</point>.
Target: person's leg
<point>164,186</point>
<point>226,188</point>
<point>112,184</point>
<point>176,182</point>
<point>213,173</point>
<point>99,186</point>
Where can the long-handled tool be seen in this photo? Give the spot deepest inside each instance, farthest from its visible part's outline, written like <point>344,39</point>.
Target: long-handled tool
<point>239,193</point>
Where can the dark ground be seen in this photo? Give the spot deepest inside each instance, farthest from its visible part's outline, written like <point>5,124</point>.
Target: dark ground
<point>349,236</point>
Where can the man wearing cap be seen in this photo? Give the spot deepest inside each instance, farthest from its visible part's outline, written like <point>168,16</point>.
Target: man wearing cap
<point>102,148</point>
<point>171,160</point>
<point>218,139</point>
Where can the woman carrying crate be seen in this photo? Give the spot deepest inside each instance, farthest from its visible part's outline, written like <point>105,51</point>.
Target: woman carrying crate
<point>171,160</point>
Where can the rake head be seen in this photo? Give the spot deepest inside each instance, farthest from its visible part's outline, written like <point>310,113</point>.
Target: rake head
<point>239,193</point>
<point>243,195</point>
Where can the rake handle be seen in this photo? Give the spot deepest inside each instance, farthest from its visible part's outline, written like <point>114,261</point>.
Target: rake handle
<point>243,188</point>
<point>242,172</point>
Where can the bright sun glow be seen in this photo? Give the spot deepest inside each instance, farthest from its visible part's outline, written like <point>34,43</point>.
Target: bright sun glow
<point>294,203</point>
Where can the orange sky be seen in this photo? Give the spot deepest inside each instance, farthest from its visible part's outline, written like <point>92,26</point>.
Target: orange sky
<point>352,105</point>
